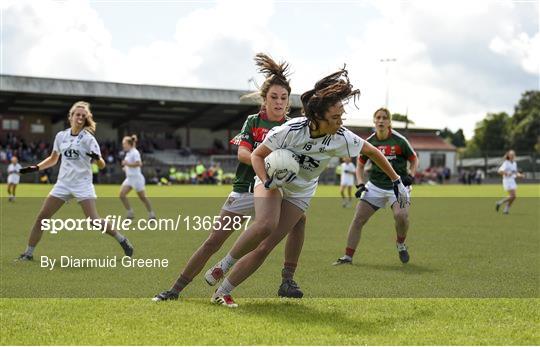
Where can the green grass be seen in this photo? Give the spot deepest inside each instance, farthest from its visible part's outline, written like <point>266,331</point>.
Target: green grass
<point>474,277</point>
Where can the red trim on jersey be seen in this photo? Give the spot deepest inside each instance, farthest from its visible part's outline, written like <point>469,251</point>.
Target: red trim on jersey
<point>411,157</point>
<point>361,160</point>
<point>246,144</point>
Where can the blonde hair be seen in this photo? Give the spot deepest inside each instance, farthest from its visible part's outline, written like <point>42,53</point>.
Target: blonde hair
<point>131,140</point>
<point>89,123</point>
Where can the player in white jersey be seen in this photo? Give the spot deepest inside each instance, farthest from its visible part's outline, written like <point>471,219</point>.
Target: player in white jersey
<point>279,204</point>
<point>78,147</point>
<point>13,177</point>
<point>348,171</point>
<point>509,173</point>
<point>274,94</point>
<point>134,178</point>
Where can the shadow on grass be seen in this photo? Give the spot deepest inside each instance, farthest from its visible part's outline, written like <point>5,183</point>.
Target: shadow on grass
<point>297,314</point>
<point>403,268</point>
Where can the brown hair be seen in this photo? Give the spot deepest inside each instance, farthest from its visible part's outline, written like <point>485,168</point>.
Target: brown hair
<point>89,123</point>
<point>131,140</point>
<point>507,154</point>
<point>326,93</point>
<point>276,74</point>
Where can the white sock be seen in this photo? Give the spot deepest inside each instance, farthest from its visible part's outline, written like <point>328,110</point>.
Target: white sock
<point>507,208</point>
<point>227,263</point>
<point>225,288</point>
<point>29,250</point>
<point>119,237</point>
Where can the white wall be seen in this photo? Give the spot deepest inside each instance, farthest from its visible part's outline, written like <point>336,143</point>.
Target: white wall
<point>425,159</point>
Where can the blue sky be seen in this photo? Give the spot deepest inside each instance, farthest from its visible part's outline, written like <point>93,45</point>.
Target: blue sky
<point>455,60</point>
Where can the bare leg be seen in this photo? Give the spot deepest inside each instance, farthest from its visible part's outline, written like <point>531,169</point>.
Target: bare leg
<point>363,213</point>
<point>295,241</point>
<point>144,199</point>
<point>124,191</point>
<point>267,203</point>
<point>50,206</point>
<point>89,209</point>
<point>212,244</point>
<point>247,265</point>
<point>401,217</point>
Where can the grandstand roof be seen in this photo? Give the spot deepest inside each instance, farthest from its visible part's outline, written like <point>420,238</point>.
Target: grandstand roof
<point>121,102</point>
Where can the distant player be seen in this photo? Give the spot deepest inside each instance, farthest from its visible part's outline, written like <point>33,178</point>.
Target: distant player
<point>13,177</point>
<point>78,147</point>
<point>314,139</point>
<point>378,192</point>
<point>132,164</point>
<point>275,92</point>
<point>509,173</point>
<point>348,171</point>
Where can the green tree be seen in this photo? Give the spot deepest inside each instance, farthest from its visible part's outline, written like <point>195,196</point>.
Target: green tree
<point>491,134</point>
<point>402,118</point>
<point>457,138</point>
<point>525,123</point>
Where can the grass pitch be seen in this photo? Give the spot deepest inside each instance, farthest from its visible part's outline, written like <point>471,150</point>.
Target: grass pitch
<point>473,278</point>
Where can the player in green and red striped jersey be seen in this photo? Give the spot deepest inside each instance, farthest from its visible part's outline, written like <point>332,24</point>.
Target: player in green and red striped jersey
<point>275,93</point>
<point>379,190</point>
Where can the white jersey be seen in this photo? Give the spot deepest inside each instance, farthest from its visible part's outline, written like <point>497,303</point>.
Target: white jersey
<point>313,154</point>
<point>510,169</point>
<point>13,169</point>
<point>348,171</point>
<point>133,156</point>
<point>76,167</point>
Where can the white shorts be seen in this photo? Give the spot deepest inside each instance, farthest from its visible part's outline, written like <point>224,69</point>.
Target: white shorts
<point>66,192</point>
<point>13,179</point>
<point>509,185</point>
<point>347,180</point>
<point>240,203</point>
<point>379,197</point>
<point>298,199</point>
<point>135,182</point>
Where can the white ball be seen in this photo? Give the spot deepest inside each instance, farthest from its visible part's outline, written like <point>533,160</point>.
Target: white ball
<point>281,162</point>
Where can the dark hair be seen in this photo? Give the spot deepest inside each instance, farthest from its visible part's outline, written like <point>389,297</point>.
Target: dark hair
<point>276,74</point>
<point>131,140</point>
<point>326,93</point>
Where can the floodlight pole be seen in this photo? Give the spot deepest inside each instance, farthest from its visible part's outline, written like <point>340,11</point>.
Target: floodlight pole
<point>386,62</point>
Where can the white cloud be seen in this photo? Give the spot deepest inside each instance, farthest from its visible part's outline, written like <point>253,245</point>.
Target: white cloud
<point>456,60</point>
<point>445,73</point>
<point>521,49</point>
<point>69,40</point>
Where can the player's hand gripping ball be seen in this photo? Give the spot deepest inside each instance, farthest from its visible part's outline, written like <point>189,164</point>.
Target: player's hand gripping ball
<point>281,168</point>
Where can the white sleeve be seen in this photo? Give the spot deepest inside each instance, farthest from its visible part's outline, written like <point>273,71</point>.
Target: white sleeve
<point>502,168</point>
<point>93,146</point>
<point>277,137</point>
<point>136,156</point>
<point>56,145</point>
<point>352,145</point>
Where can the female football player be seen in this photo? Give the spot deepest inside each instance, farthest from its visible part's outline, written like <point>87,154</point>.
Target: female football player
<point>346,181</point>
<point>275,92</point>
<point>13,177</point>
<point>314,139</point>
<point>379,190</point>
<point>509,173</point>
<point>132,164</point>
<point>78,147</point>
